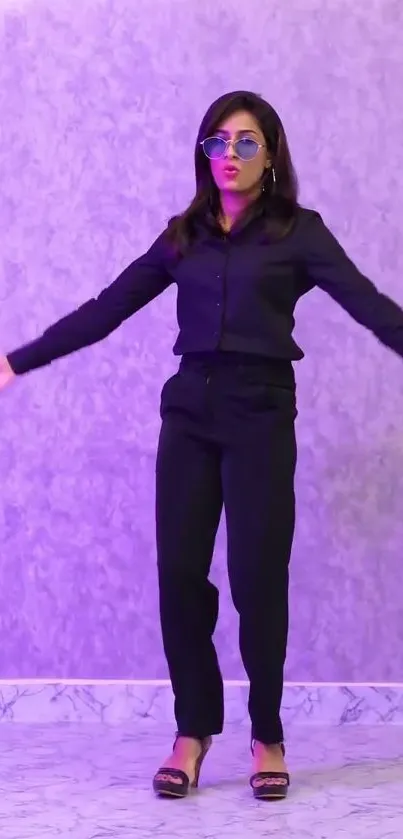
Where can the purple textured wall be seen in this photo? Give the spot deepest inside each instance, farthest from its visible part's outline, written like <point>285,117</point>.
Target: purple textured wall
<point>100,102</point>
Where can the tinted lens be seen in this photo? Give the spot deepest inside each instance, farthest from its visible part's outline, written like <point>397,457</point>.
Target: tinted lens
<point>214,147</point>
<point>246,148</point>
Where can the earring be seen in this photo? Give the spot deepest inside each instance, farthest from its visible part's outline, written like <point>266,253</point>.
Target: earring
<point>274,174</point>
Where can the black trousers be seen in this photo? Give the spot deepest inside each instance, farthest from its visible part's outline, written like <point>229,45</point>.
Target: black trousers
<point>227,438</point>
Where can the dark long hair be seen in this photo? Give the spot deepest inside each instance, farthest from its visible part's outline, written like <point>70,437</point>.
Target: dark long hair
<point>278,200</point>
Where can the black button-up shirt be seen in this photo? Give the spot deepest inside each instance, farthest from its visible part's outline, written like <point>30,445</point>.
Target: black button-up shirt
<point>236,293</point>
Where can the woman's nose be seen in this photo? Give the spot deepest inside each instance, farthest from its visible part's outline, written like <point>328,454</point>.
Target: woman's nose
<point>230,150</point>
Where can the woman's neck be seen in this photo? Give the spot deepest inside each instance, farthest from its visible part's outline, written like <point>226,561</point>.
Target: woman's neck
<point>232,208</point>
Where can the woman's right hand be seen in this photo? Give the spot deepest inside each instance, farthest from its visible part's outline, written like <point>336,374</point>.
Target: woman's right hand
<point>6,372</point>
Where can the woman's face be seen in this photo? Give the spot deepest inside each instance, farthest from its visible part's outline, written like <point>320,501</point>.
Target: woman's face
<point>231,173</point>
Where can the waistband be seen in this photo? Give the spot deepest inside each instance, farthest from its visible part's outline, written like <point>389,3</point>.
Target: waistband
<point>281,370</point>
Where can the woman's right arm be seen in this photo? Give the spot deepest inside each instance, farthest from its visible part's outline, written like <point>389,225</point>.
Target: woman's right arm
<point>141,282</point>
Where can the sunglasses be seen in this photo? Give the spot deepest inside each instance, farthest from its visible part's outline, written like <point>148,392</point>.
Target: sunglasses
<point>216,147</point>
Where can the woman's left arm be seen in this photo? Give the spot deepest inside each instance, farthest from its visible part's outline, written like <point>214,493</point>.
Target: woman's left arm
<point>328,267</point>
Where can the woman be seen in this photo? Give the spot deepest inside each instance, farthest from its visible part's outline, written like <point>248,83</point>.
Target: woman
<point>242,255</point>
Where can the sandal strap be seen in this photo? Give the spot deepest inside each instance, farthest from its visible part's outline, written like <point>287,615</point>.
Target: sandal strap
<point>171,773</point>
<point>270,776</point>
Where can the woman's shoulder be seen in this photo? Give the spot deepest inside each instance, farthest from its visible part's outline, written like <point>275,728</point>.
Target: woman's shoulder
<point>306,214</point>
<point>308,221</point>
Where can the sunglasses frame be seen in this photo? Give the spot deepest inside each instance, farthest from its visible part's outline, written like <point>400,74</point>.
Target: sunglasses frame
<point>228,143</point>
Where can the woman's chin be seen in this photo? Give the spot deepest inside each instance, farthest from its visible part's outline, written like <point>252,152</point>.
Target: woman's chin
<point>231,186</point>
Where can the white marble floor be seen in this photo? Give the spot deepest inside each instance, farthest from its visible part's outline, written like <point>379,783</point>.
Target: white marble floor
<point>89,781</point>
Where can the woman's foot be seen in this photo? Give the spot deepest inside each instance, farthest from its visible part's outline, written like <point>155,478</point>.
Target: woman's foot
<point>270,778</point>
<point>181,770</point>
<point>268,758</point>
<point>185,754</point>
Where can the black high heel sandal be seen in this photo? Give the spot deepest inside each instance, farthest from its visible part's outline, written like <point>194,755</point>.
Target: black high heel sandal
<point>270,785</point>
<point>174,783</point>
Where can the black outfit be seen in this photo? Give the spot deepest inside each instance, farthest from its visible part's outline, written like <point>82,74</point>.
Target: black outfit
<point>227,437</point>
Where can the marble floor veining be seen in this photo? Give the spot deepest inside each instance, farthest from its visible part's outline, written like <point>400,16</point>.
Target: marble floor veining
<point>92,781</point>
